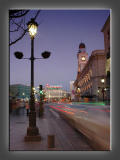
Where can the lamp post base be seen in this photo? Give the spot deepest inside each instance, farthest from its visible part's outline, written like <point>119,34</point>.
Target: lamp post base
<point>32,134</point>
<point>32,130</point>
<point>32,138</point>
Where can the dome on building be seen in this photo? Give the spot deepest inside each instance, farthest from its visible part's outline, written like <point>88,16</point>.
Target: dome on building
<point>82,45</point>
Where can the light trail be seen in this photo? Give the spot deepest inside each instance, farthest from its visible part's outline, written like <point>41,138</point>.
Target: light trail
<point>99,110</point>
<point>61,110</point>
<point>66,107</point>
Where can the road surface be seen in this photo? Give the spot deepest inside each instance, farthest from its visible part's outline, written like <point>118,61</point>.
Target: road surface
<point>92,120</point>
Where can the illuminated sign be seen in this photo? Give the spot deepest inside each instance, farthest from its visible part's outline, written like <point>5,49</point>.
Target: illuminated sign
<point>53,87</point>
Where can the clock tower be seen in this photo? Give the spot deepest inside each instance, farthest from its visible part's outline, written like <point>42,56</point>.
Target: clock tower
<point>82,57</point>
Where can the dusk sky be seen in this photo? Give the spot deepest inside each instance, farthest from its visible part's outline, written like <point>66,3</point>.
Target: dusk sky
<point>60,32</point>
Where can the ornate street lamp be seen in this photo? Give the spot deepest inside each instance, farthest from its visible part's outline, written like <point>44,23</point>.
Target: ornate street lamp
<point>32,130</point>
<point>103,81</point>
<point>32,28</point>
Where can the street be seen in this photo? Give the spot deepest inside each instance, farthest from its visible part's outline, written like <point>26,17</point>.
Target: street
<point>91,119</point>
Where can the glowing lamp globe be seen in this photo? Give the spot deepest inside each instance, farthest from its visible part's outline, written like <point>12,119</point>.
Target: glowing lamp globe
<point>32,28</point>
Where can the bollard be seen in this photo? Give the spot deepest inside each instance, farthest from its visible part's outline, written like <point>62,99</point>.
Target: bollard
<point>51,141</point>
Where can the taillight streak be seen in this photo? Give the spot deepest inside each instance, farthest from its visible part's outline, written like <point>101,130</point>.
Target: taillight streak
<point>62,110</point>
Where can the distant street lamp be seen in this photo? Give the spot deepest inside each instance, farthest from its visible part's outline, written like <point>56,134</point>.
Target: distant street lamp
<point>32,130</point>
<point>98,91</point>
<point>102,80</point>
<point>103,91</point>
<point>23,94</point>
<point>78,90</point>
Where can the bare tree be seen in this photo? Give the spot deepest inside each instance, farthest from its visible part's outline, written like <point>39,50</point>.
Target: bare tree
<point>17,23</point>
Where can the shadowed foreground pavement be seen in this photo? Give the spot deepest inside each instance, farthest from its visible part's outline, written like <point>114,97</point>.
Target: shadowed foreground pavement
<point>66,138</point>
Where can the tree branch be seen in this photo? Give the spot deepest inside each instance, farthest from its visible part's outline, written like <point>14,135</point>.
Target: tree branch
<point>17,29</point>
<point>17,24</point>
<point>18,38</point>
<point>12,13</point>
<point>37,14</point>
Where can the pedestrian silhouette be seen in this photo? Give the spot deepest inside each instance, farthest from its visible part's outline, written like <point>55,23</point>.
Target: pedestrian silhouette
<point>27,107</point>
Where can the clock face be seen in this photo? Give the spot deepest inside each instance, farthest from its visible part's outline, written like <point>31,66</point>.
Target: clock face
<point>83,58</point>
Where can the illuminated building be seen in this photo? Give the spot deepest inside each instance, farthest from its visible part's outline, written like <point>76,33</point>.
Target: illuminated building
<point>88,80</point>
<point>106,32</point>
<point>54,92</point>
<point>72,92</point>
<point>89,74</point>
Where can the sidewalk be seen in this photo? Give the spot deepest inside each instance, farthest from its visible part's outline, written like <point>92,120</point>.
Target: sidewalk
<point>66,138</point>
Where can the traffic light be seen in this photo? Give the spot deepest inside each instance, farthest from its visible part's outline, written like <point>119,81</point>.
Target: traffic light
<point>40,89</point>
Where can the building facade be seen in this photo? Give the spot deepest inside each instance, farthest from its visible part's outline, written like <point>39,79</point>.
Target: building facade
<point>106,32</point>
<point>20,91</point>
<point>72,90</point>
<point>88,81</point>
<point>54,92</point>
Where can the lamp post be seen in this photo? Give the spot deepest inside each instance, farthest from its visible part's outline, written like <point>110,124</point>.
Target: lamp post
<point>32,130</point>
<point>23,96</point>
<point>78,93</point>
<point>103,81</point>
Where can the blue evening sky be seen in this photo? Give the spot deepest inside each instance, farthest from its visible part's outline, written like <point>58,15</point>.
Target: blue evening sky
<point>60,32</point>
